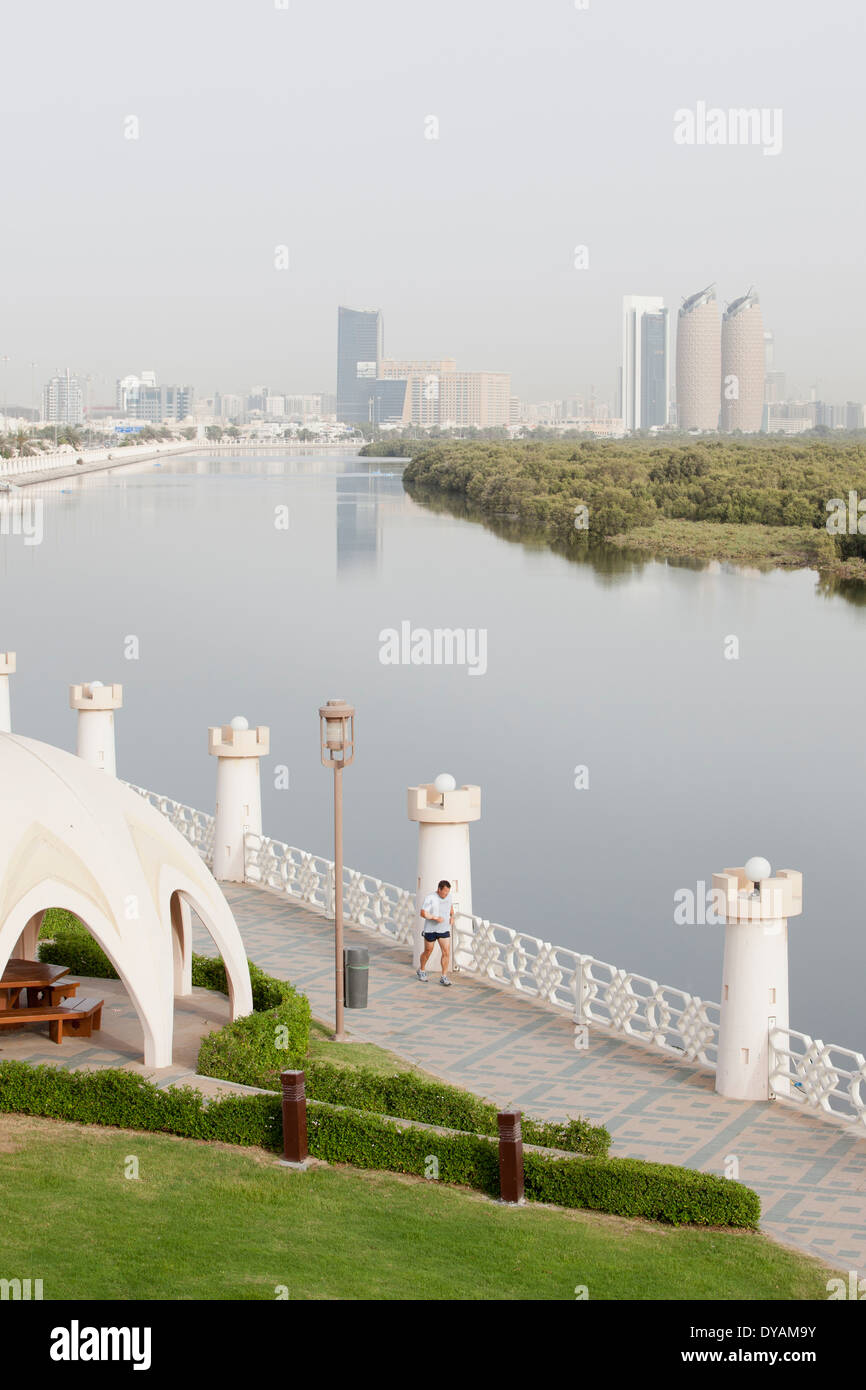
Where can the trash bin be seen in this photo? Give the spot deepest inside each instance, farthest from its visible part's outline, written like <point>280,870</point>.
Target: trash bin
<point>356,974</point>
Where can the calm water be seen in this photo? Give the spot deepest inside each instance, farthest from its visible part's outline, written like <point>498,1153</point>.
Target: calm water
<point>695,762</point>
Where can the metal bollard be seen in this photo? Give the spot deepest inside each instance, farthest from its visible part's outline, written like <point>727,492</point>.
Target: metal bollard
<point>295,1153</point>
<point>510,1156</point>
<point>356,975</point>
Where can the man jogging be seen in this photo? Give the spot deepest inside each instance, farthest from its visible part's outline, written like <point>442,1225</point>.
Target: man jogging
<point>437,912</point>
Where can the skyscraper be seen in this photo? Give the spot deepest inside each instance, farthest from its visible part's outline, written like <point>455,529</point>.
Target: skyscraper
<point>645,370</point>
<point>699,361</point>
<point>63,400</point>
<point>743,365</point>
<point>359,355</point>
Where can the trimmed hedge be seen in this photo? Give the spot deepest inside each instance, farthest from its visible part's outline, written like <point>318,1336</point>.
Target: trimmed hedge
<point>72,945</point>
<point>413,1097</point>
<point>622,1186</point>
<point>125,1100</point>
<point>261,1044</point>
<point>631,1187</point>
<point>276,1003</point>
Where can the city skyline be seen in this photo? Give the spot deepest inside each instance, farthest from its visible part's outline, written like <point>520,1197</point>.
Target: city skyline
<point>665,379</point>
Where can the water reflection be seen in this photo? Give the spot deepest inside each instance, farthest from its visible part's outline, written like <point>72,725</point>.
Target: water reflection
<point>359,525</point>
<point>613,563</point>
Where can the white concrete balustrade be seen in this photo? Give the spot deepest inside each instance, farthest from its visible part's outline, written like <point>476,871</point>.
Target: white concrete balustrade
<point>67,458</point>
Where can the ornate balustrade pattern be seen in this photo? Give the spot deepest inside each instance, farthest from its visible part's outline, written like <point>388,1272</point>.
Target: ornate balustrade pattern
<point>802,1069</point>
<point>591,990</point>
<point>367,901</point>
<point>193,825</point>
<point>817,1074</point>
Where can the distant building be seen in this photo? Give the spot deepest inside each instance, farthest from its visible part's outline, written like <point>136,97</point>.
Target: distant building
<point>789,417</point>
<point>645,364</point>
<point>458,400</point>
<point>139,398</point>
<point>393,369</point>
<point>853,416</point>
<point>834,417</point>
<point>359,355</point>
<point>479,399</point>
<point>699,361</point>
<point>303,408</point>
<point>386,402</point>
<point>743,365</point>
<point>63,400</point>
<point>229,407</point>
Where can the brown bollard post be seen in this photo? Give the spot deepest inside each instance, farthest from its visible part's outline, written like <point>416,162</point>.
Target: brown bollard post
<point>294,1119</point>
<point>510,1156</point>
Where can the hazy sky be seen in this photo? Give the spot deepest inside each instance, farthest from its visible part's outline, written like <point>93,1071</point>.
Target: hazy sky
<point>305,126</point>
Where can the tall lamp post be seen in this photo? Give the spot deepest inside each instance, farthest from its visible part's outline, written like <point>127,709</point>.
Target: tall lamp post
<point>337,743</point>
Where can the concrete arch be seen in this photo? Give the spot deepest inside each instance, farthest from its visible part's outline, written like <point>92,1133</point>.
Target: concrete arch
<point>180,894</point>
<point>52,893</point>
<point>73,838</point>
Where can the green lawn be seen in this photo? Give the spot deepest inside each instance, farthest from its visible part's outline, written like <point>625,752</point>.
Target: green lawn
<point>207,1222</point>
<point>355,1054</point>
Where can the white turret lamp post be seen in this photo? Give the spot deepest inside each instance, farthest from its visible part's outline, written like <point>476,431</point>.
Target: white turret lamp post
<point>755,974</point>
<point>238,749</point>
<point>7,669</point>
<point>444,812</point>
<point>96,704</point>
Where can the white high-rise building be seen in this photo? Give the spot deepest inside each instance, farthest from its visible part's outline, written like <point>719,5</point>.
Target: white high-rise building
<point>645,369</point>
<point>63,400</point>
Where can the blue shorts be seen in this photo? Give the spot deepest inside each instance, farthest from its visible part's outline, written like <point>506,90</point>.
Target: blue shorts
<point>435,935</point>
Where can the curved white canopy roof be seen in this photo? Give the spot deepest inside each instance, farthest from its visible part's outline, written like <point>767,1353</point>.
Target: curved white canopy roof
<point>72,837</point>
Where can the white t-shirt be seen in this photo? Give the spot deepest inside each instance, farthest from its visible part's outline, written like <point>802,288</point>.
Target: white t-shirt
<point>437,907</point>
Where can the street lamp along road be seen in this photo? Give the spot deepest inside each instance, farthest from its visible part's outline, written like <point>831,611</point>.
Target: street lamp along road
<point>337,744</point>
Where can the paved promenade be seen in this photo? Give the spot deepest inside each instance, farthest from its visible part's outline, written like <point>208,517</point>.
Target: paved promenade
<point>102,465</point>
<point>810,1173</point>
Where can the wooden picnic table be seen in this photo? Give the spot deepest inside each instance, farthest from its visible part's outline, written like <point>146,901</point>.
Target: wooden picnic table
<point>36,976</point>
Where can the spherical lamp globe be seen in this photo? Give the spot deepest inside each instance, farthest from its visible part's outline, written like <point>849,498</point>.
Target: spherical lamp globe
<point>445,783</point>
<point>757,869</point>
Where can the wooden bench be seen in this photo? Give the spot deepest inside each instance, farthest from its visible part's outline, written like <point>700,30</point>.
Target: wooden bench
<point>51,994</point>
<point>79,1016</point>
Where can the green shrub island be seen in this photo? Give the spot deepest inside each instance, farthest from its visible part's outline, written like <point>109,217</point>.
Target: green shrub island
<point>628,485</point>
